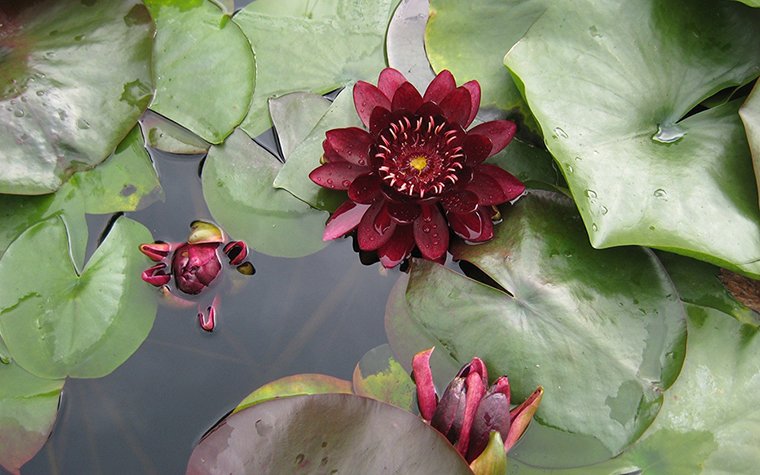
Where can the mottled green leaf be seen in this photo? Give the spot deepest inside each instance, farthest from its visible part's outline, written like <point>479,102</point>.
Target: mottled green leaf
<point>324,433</point>
<point>126,181</point>
<point>610,84</point>
<point>378,375</point>
<point>237,186</point>
<point>297,385</point>
<point>203,67</point>
<point>57,323</point>
<point>76,77</point>
<point>602,331</point>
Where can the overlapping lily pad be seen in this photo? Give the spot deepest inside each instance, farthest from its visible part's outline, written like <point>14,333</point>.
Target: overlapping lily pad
<point>203,67</point>
<point>325,433</point>
<point>378,375</point>
<point>126,181</point>
<point>750,115</point>
<point>168,136</point>
<point>237,186</point>
<point>302,45</point>
<point>293,116</point>
<point>296,385</point>
<point>76,77</point>
<point>28,408</point>
<point>603,331</point>
<point>58,323</point>
<point>610,84</point>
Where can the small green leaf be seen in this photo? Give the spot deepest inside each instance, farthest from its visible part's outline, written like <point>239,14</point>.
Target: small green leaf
<point>378,375</point>
<point>203,67</point>
<point>126,181</point>
<point>493,460</point>
<point>57,323</point>
<point>28,408</point>
<point>165,135</point>
<point>324,433</point>
<point>297,385</point>
<point>76,77</point>
<point>237,186</point>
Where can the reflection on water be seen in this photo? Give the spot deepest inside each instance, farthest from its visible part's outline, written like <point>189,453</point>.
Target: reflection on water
<point>317,314</point>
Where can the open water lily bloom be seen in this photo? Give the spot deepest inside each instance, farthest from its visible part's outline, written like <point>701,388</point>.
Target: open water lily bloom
<point>416,171</point>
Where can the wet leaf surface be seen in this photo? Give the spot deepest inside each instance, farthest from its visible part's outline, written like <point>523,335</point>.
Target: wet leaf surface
<point>163,134</point>
<point>297,385</point>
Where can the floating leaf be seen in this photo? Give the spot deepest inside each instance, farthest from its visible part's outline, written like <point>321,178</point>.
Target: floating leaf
<point>163,134</point>
<point>76,77</point>
<point>328,44</point>
<point>294,175</point>
<point>203,67</point>
<point>324,433</point>
<point>405,44</point>
<point>297,385</point>
<point>610,84</point>
<point>378,375</point>
<point>294,115</point>
<point>126,181</point>
<point>237,185</point>
<point>750,115</point>
<point>57,323</point>
<point>28,408</point>
<point>602,331</point>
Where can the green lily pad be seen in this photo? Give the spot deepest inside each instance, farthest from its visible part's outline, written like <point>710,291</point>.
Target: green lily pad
<point>405,44</point>
<point>57,323</point>
<point>203,67</point>
<point>76,77</point>
<point>710,421</point>
<point>610,83</point>
<point>237,186</point>
<point>297,385</point>
<point>20,212</point>
<point>294,175</point>
<point>28,408</point>
<point>126,181</point>
<point>471,39</point>
<point>602,331</point>
<point>328,45</point>
<point>324,433</point>
<point>698,283</point>
<point>378,375</point>
<point>294,115</point>
<point>165,135</point>
<point>750,115</point>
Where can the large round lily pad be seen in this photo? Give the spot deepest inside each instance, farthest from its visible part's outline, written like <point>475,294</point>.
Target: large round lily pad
<point>76,77</point>
<point>324,433</point>
<point>610,84</point>
<point>57,323</point>
<point>602,331</point>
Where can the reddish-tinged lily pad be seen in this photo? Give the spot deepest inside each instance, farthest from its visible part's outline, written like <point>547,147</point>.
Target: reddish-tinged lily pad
<point>76,77</point>
<point>378,375</point>
<point>602,331</point>
<point>297,385</point>
<point>28,408</point>
<point>58,322</point>
<point>324,433</point>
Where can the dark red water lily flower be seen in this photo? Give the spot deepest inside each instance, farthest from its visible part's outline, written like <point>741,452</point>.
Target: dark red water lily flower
<point>417,170</point>
<point>469,409</point>
<point>195,265</point>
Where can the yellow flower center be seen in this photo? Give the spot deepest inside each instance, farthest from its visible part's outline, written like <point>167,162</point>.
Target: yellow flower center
<point>418,162</point>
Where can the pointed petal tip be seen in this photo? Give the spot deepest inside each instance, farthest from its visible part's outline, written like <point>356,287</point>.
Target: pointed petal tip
<point>427,399</point>
<point>521,417</point>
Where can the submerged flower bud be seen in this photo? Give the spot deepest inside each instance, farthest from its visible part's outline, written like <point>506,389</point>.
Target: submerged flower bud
<point>195,266</point>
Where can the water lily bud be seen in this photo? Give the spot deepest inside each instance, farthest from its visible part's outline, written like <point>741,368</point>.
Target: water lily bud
<point>236,251</point>
<point>156,275</point>
<point>195,266</point>
<point>158,251</point>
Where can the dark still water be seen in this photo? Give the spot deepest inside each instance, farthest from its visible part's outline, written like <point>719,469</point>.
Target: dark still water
<point>317,314</point>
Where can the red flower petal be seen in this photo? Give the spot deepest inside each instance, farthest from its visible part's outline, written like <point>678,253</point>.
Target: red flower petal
<point>443,84</point>
<point>423,379</point>
<point>407,97</point>
<point>456,106</point>
<point>379,120</point>
<point>460,202</point>
<point>475,392</point>
<point>476,149</point>
<point>487,233</point>
<point>466,226</point>
<point>366,98</point>
<point>431,233</point>
<point>337,175</point>
<point>511,186</point>
<point>156,275</point>
<point>365,189</point>
<point>376,228</point>
<point>330,155</point>
<point>474,88</point>
<point>398,248</point>
<point>500,132</point>
<point>389,81</point>
<point>429,108</point>
<point>403,213</point>
<point>351,143</point>
<point>344,220</point>
<point>487,188</point>
<point>157,251</point>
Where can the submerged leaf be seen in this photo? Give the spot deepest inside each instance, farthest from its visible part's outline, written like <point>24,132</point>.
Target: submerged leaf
<point>378,375</point>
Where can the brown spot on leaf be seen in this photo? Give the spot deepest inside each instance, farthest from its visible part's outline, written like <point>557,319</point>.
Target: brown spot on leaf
<point>743,289</point>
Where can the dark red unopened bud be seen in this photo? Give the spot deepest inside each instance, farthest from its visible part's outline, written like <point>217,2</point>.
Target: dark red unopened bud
<point>195,266</point>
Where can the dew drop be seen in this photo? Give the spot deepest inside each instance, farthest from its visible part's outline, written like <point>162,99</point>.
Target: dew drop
<point>4,359</point>
<point>660,193</point>
<point>18,113</point>
<point>329,181</point>
<point>590,193</point>
<point>570,169</point>
<point>40,93</point>
<point>324,461</point>
<point>299,458</point>
<point>83,124</point>
<point>560,133</point>
<point>346,183</point>
<point>79,38</point>
<point>578,159</point>
<point>426,228</point>
<point>603,210</point>
<point>668,134</point>
<point>24,99</point>
<point>595,227</point>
